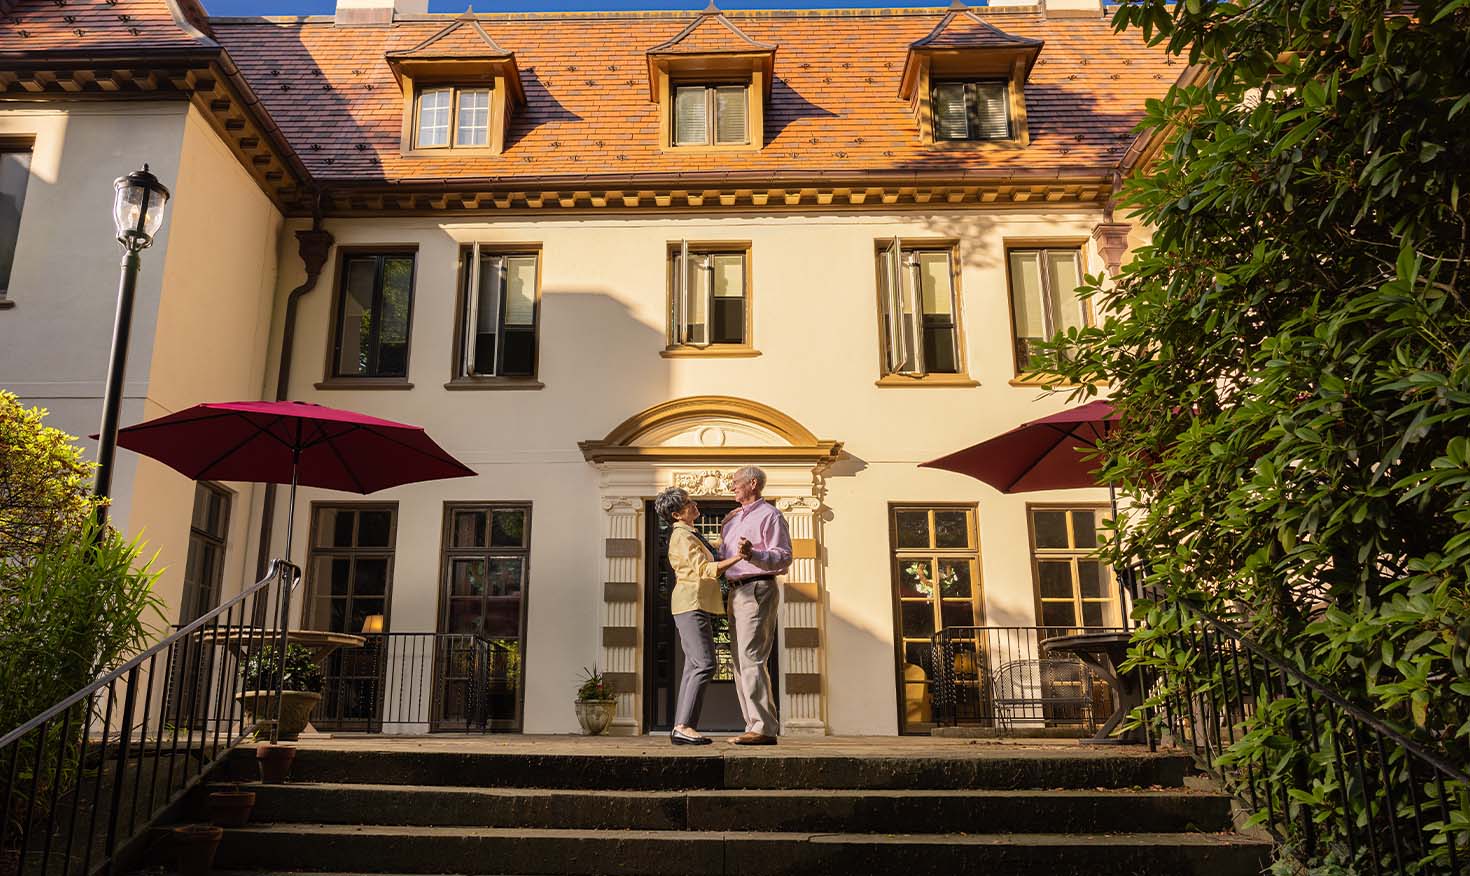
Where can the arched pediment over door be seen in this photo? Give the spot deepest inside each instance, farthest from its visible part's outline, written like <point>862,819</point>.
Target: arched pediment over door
<point>712,428</point>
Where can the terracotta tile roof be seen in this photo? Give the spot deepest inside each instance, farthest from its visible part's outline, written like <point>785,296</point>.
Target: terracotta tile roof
<point>963,29</point>
<point>833,111</point>
<point>710,33</point>
<point>34,28</point>
<point>465,38</point>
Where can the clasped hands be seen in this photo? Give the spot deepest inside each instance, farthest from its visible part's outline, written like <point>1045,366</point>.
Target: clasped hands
<point>744,549</point>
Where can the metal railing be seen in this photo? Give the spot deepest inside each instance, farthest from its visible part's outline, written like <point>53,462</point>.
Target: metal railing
<point>81,782</point>
<point>421,682</point>
<point>999,677</point>
<point>1338,786</point>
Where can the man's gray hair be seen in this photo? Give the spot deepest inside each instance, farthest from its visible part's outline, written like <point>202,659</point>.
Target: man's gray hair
<point>752,473</point>
<point>670,502</point>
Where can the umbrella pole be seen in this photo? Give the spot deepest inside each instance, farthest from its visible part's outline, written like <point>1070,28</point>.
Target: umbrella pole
<point>287,583</point>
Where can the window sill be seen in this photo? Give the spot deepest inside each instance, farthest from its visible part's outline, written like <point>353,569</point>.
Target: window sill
<point>944,380</point>
<point>364,383</point>
<point>495,383</point>
<point>714,351</point>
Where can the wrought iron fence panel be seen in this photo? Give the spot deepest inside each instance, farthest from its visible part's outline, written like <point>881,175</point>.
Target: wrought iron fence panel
<point>412,683</point>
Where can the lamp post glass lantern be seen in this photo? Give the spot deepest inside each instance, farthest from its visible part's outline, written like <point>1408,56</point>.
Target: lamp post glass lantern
<point>137,211</point>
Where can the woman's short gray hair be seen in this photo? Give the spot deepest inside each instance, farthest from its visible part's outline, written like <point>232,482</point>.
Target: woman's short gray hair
<point>670,502</point>
<point>752,473</point>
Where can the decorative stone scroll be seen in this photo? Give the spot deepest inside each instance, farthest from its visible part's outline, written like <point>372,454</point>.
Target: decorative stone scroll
<point>710,482</point>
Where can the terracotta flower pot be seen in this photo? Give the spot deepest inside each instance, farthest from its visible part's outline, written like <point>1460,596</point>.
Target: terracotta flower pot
<point>195,845</point>
<point>595,715</point>
<point>295,709</point>
<point>275,762</point>
<point>230,808</point>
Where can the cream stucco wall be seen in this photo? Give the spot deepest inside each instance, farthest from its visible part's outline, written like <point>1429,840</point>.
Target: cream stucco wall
<point>54,342</point>
<point>210,344</point>
<point>603,324</point>
<point>203,307</point>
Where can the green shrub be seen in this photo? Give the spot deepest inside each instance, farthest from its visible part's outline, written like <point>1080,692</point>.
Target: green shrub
<point>1291,361</point>
<point>262,669</point>
<point>44,484</point>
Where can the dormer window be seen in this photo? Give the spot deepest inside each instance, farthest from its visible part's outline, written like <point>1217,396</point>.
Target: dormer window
<point>453,117</point>
<point>460,89</point>
<point>965,82</point>
<point>711,115</point>
<point>972,111</point>
<point>711,82</point>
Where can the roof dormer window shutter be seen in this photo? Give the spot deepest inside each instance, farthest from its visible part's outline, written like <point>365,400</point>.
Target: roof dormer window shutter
<point>965,81</point>
<point>460,90</point>
<point>712,81</point>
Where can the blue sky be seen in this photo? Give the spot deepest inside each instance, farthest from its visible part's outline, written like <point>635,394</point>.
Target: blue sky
<point>325,7</point>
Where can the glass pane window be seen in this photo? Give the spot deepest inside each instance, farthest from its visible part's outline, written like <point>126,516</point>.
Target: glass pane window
<point>708,296</point>
<point>921,330</point>
<point>1044,300</point>
<point>453,116</point>
<point>498,301</point>
<point>473,127</point>
<point>374,312</point>
<point>971,110</point>
<point>707,115</point>
<point>205,563</point>
<point>1073,588</point>
<point>15,175</point>
<point>936,585</point>
<point>350,568</point>
<point>486,562</point>
<point>434,105</point>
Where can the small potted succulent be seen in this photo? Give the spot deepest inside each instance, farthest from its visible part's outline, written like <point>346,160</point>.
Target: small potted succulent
<point>301,688</point>
<point>230,807</point>
<point>595,703</point>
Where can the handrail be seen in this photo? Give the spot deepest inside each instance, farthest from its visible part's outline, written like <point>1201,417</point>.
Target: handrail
<point>82,782</point>
<point>180,633</point>
<point>1358,713</point>
<point>1345,789</point>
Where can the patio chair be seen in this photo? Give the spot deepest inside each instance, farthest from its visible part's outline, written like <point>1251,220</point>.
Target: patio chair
<point>1043,691</point>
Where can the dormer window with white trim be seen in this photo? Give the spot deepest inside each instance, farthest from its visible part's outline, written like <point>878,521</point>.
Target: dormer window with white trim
<point>711,115</point>
<point>972,110</point>
<point>451,116</point>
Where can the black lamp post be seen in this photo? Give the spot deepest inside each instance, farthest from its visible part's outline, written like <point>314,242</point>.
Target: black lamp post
<point>137,210</point>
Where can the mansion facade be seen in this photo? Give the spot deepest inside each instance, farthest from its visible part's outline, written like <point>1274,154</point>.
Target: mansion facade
<point>594,255</point>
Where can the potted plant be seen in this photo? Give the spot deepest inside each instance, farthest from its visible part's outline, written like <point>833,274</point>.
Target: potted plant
<point>195,845</point>
<point>230,807</point>
<point>595,703</point>
<point>300,688</point>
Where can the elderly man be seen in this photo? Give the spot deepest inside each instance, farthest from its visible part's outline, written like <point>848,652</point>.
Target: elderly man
<point>753,599</point>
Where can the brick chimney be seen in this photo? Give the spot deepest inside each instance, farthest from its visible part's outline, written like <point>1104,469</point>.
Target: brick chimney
<point>359,12</point>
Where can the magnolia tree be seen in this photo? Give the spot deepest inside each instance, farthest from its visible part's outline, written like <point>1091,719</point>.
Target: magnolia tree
<point>1291,355</point>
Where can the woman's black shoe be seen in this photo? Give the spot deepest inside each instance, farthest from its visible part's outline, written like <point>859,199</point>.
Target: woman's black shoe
<point>680,739</point>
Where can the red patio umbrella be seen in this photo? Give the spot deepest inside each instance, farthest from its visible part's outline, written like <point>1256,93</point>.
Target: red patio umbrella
<point>289,442</point>
<point>1046,454</point>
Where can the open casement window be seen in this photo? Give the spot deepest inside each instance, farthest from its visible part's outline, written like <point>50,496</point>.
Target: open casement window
<point>708,298</point>
<point>499,324</point>
<point>919,310</point>
<point>1044,300</point>
<point>972,111</point>
<point>711,115</point>
<point>450,116</point>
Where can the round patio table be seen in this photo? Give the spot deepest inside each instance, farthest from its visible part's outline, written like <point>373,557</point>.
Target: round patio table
<point>1104,653</point>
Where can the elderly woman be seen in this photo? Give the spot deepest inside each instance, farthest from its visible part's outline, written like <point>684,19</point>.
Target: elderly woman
<point>695,601</point>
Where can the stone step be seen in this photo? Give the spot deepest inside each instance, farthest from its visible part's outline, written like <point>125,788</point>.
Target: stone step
<point>846,811</point>
<point>1001,769</point>
<point>480,850</point>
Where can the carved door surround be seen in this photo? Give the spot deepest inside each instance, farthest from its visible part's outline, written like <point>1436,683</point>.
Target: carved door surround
<point>697,443</point>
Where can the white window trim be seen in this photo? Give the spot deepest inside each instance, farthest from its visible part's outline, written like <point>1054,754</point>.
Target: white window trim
<point>452,136</point>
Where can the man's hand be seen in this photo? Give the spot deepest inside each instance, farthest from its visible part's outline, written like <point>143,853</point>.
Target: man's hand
<point>744,548</point>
